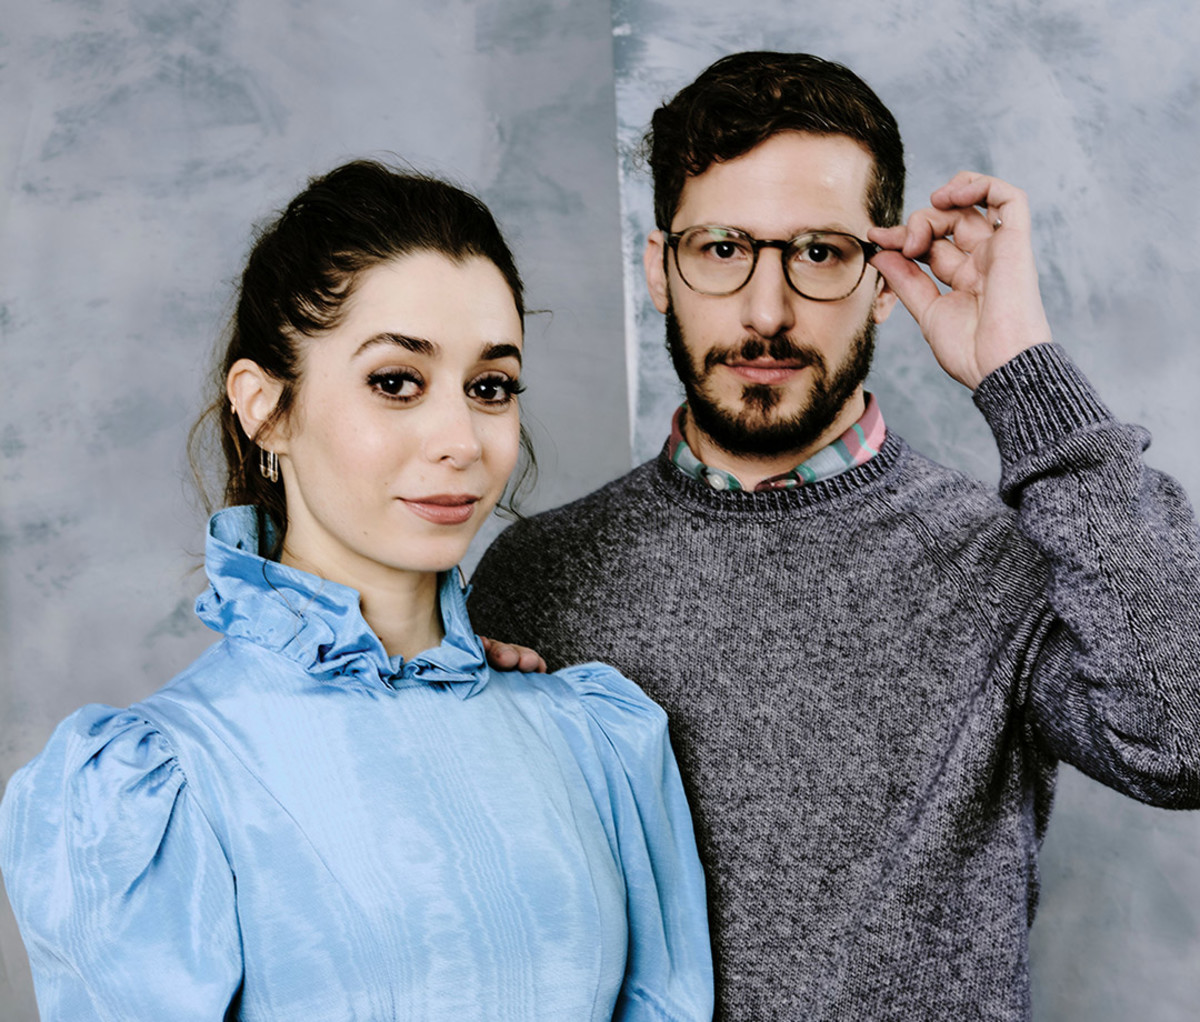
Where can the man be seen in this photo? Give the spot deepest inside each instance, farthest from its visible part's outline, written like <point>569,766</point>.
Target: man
<point>871,663</point>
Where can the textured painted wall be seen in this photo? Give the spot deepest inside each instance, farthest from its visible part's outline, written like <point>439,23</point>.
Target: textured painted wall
<point>138,142</point>
<point>1092,109</point>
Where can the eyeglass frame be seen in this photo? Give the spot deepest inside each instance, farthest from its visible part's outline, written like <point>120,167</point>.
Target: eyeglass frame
<point>869,250</point>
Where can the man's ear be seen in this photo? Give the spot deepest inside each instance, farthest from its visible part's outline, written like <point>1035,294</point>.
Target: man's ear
<point>254,393</point>
<point>885,300</point>
<point>656,269</point>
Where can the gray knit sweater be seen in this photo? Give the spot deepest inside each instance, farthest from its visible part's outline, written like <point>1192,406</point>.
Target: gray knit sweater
<point>870,680</point>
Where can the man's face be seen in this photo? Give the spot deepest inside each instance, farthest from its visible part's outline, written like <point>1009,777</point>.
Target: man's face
<point>766,370</point>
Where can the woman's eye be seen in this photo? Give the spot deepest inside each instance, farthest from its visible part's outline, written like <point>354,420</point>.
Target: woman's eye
<point>400,385</point>
<point>496,389</point>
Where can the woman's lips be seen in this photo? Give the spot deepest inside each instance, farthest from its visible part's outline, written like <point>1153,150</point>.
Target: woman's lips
<point>443,508</point>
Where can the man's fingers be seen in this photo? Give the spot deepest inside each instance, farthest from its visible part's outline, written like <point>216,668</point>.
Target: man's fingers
<point>911,284</point>
<point>969,208</point>
<point>499,654</point>
<point>916,239</point>
<point>888,237</point>
<point>507,656</point>
<point>996,198</point>
<point>968,227</point>
<point>945,258</point>
<point>530,661</point>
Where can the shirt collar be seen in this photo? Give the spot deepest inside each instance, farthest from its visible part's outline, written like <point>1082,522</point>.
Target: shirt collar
<point>319,623</point>
<point>859,444</point>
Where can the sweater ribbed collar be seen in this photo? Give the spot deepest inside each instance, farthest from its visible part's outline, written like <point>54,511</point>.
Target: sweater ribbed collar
<point>698,496</point>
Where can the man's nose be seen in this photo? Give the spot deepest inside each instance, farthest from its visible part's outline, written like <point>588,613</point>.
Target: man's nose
<point>768,302</point>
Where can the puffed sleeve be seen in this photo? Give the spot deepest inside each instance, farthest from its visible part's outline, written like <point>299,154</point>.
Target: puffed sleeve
<point>668,974</point>
<point>122,892</point>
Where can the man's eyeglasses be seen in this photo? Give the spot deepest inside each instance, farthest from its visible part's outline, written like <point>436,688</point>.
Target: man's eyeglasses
<point>823,265</point>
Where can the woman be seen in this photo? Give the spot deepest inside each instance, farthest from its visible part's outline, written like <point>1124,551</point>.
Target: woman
<point>340,811</point>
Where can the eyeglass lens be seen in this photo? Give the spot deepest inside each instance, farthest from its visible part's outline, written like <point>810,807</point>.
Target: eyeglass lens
<point>821,265</point>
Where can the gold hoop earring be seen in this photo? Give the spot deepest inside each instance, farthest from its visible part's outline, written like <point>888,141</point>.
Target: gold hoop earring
<point>268,465</point>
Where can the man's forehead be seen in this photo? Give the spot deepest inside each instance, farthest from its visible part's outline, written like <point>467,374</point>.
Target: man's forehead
<point>790,182</point>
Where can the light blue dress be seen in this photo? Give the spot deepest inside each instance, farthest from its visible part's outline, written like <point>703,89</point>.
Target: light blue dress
<point>299,827</point>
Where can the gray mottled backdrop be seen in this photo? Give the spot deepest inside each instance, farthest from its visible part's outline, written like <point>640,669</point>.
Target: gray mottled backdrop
<point>1092,108</point>
<point>139,140</point>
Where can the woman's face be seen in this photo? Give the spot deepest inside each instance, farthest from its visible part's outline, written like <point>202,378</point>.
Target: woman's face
<point>405,427</point>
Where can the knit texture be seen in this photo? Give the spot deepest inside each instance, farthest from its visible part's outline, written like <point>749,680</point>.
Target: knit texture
<point>871,679</point>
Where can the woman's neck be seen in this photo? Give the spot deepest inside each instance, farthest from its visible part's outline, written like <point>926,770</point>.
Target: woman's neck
<point>407,619</point>
<point>400,606</point>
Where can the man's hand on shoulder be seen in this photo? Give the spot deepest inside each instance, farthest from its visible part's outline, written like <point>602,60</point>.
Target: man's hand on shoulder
<point>507,656</point>
<point>975,238</point>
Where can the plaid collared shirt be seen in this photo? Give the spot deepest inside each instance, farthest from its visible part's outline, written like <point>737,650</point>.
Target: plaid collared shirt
<point>854,447</point>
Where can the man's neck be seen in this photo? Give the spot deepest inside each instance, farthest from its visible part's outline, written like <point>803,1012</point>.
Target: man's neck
<point>752,469</point>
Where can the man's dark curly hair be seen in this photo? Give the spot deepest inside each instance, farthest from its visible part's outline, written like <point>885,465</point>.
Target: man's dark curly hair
<point>745,98</point>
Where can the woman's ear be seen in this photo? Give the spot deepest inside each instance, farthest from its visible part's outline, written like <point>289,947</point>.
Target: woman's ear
<point>253,394</point>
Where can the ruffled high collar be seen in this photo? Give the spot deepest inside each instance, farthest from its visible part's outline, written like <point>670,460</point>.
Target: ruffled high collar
<point>319,623</point>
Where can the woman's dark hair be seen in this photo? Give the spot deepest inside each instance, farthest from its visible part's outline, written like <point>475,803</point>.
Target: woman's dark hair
<point>302,270</point>
<point>745,98</point>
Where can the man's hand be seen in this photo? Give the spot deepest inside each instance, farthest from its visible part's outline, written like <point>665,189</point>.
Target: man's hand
<point>976,239</point>
<point>505,656</point>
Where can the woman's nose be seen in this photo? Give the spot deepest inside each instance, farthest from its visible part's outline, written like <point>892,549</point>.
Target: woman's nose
<point>452,434</point>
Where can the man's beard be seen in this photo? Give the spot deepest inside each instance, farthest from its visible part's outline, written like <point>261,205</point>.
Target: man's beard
<point>753,432</point>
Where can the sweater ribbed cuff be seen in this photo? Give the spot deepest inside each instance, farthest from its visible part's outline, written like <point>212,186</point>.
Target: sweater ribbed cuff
<point>1035,399</point>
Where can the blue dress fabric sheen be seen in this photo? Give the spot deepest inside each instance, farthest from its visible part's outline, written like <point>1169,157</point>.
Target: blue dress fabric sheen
<point>299,826</point>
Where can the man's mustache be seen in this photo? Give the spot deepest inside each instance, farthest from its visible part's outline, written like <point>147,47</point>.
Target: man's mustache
<point>781,348</point>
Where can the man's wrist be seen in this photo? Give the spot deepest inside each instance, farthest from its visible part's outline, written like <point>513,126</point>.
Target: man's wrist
<point>1035,399</point>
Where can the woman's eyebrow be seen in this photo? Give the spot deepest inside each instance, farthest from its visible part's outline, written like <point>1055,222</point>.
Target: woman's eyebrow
<point>421,346</point>
<point>417,345</point>
<point>494,352</point>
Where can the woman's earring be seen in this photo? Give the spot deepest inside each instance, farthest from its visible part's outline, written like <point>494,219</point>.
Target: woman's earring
<point>268,464</point>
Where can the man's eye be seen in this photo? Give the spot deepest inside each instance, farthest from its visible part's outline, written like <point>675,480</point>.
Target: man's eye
<point>495,389</point>
<point>725,251</point>
<point>817,253</point>
<point>399,385</point>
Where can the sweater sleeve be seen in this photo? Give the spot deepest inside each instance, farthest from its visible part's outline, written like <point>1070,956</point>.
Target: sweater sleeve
<point>122,892</point>
<point>668,973</point>
<point>1114,671</point>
